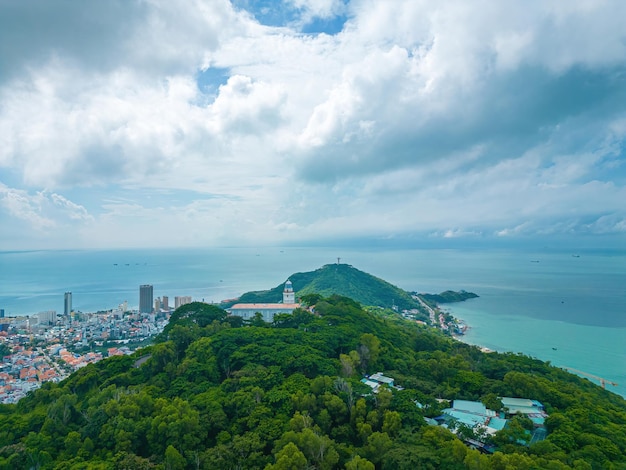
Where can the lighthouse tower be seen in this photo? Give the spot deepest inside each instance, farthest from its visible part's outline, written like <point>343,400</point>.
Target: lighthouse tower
<point>289,297</point>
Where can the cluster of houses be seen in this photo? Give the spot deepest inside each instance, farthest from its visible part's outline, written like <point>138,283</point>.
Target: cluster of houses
<point>27,368</point>
<point>475,415</point>
<point>484,421</point>
<point>24,371</point>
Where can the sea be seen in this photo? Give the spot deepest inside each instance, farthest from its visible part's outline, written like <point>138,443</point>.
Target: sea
<point>558,306</point>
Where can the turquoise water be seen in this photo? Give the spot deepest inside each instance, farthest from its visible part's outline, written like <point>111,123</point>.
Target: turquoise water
<point>530,301</point>
<point>596,350</point>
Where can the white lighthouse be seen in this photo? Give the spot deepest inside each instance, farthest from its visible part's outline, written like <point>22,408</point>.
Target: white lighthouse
<point>289,297</point>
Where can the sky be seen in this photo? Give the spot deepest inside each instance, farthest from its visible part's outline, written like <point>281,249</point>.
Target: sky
<point>164,123</point>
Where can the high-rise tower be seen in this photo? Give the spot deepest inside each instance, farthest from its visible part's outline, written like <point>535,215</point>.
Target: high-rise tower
<point>67,304</point>
<point>146,298</point>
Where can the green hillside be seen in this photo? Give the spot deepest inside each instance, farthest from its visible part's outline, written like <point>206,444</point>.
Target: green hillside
<point>340,279</point>
<point>217,393</point>
<point>448,297</point>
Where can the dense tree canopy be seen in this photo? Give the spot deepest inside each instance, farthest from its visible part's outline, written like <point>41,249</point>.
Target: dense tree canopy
<point>217,393</point>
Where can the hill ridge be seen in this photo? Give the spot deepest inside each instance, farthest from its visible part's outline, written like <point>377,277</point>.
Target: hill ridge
<point>336,279</point>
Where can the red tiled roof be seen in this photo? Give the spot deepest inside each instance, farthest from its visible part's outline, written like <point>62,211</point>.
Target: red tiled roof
<point>265,306</point>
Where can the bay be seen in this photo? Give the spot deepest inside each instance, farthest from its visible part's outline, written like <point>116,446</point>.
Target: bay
<point>531,301</point>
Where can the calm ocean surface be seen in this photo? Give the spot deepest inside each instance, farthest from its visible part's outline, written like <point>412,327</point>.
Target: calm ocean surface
<point>569,310</point>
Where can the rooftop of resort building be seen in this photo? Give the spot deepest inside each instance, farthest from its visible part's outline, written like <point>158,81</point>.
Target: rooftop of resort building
<point>379,377</point>
<point>476,415</point>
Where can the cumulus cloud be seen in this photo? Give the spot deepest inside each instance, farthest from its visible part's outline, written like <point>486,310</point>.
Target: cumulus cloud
<point>42,216</point>
<point>454,119</point>
<point>245,107</point>
<point>23,206</point>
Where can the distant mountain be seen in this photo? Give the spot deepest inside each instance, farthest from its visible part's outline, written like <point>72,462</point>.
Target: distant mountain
<point>448,297</point>
<point>341,279</point>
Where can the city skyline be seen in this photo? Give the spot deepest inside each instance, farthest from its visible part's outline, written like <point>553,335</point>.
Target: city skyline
<point>234,123</point>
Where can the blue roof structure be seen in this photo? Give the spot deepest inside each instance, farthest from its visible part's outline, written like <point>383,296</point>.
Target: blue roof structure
<point>469,419</point>
<point>497,423</point>
<point>471,406</point>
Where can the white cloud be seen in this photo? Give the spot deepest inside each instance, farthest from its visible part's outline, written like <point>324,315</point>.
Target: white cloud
<point>318,8</point>
<point>245,107</point>
<point>73,210</point>
<point>358,99</point>
<point>458,118</point>
<point>23,206</point>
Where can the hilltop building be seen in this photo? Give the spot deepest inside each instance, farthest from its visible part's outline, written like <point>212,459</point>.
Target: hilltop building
<point>247,311</point>
<point>289,296</point>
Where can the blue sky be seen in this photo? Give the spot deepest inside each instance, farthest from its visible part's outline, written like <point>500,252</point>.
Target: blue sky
<point>211,123</point>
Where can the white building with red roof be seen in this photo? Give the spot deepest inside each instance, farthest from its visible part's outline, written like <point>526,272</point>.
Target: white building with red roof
<point>267,310</point>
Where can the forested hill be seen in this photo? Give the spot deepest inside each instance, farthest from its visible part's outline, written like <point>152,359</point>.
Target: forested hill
<point>218,393</point>
<point>340,279</point>
<point>448,297</point>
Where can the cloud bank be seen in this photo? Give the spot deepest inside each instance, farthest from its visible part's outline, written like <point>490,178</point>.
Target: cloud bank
<point>163,123</point>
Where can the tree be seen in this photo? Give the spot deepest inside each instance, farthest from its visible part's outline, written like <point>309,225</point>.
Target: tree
<point>318,449</point>
<point>310,299</point>
<point>289,458</point>
<point>514,433</point>
<point>368,350</point>
<point>378,444</point>
<point>174,422</point>
<point>491,401</point>
<point>347,366</point>
<point>73,443</point>
<point>173,459</point>
<point>392,422</point>
<point>257,320</point>
<point>182,337</point>
<point>359,463</point>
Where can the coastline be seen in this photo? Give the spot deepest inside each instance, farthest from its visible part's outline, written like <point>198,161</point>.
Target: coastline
<point>561,344</point>
<point>572,304</point>
<point>484,349</point>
